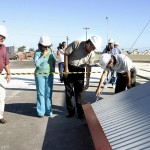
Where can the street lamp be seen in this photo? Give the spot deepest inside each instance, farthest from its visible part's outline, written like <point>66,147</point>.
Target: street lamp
<point>86,32</point>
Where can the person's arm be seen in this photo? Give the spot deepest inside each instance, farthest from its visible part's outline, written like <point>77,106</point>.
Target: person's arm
<point>58,53</point>
<point>99,89</point>
<point>66,64</point>
<point>128,74</point>
<point>7,69</point>
<point>88,73</point>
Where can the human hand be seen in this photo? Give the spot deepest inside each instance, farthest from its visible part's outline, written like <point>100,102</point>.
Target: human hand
<point>45,53</point>
<point>86,86</point>
<point>129,85</point>
<point>66,73</point>
<point>98,92</point>
<point>8,78</point>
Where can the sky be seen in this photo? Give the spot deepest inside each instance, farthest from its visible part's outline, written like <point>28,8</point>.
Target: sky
<point>128,21</point>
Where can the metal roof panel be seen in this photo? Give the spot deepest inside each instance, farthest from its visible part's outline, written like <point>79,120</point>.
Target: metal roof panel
<point>125,118</point>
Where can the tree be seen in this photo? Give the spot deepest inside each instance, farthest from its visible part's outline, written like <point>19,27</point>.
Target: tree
<point>22,49</point>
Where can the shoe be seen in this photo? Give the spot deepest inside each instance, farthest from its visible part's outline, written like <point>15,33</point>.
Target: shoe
<point>113,86</point>
<point>70,115</point>
<point>40,116</point>
<point>105,86</point>
<point>51,115</point>
<point>81,116</point>
<point>3,121</point>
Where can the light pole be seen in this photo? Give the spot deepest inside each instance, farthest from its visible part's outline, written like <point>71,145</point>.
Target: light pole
<point>86,31</point>
<point>107,28</point>
<point>67,39</point>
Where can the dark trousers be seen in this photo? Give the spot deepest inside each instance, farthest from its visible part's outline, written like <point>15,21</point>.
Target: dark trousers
<point>74,85</point>
<point>121,82</point>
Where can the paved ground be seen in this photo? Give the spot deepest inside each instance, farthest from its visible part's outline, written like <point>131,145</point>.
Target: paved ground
<point>24,131</point>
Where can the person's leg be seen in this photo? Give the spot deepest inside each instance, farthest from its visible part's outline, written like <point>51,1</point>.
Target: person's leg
<point>113,78</point>
<point>2,99</point>
<point>2,103</point>
<point>61,70</point>
<point>133,77</point>
<point>68,82</point>
<point>40,87</point>
<point>106,81</point>
<point>48,95</point>
<point>120,83</point>
<point>78,88</point>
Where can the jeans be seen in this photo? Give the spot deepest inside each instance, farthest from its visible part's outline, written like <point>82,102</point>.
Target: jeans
<point>44,87</point>
<point>111,77</point>
<point>61,69</point>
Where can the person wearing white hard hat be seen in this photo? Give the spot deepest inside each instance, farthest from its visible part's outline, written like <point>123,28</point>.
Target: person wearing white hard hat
<point>4,64</point>
<point>116,44</point>
<point>116,49</point>
<point>44,60</point>
<point>126,72</point>
<point>109,47</point>
<point>78,56</point>
<point>60,54</point>
<point>111,76</point>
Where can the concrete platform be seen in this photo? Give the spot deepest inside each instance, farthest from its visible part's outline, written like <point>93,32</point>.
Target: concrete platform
<point>24,131</point>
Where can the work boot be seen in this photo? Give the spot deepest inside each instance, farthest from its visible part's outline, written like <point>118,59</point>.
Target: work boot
<point>81,116</point>
<point>70,115</point>
<point>3,121</point>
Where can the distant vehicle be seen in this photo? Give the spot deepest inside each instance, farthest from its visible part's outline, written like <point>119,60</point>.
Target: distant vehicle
<point>13,56</point>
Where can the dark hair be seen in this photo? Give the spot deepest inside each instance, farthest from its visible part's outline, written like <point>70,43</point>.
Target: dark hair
<point>63,42</point>
<point>88,41</point>
<point>39,46</point>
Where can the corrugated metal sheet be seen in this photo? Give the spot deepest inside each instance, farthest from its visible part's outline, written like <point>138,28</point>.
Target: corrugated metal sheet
<point>125,118</point>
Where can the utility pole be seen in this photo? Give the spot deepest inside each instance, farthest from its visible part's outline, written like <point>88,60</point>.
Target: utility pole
<point>107,27</point>
<point>67,39</point>
<point>86,31</point>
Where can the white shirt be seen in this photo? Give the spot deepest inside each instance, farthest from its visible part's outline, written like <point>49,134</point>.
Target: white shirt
<point>61,56</point>
<point>123,64</point>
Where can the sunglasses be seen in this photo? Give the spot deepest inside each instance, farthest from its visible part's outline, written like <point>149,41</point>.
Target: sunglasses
<point>45,46</point>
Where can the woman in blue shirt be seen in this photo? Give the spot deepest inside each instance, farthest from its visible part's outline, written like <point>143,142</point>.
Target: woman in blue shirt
<point>44,60</point>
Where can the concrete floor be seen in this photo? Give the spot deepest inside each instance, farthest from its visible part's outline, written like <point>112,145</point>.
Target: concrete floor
<point>24,131</point>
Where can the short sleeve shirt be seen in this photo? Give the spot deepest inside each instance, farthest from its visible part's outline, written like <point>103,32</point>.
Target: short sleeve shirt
<point>78,56</point>
<point>123,65</point>
<point>4,59</point>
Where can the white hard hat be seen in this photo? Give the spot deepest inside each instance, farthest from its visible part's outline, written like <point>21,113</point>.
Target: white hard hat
<point>110,41</point>
<point>45,40</point>
<point>116,43</point>
<point>97,41</point>
<point>104,60</point>
<point>3,31</point>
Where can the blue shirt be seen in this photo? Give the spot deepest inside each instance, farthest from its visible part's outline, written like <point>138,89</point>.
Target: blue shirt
<point>44,64</point>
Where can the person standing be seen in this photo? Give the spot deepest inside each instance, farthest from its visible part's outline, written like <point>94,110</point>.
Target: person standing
<point>44,60</point>
<point>116,49</point>
<point>78,55</point>
<point>4,64</point>
<point>60,54</point>
<point>126,72</point>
